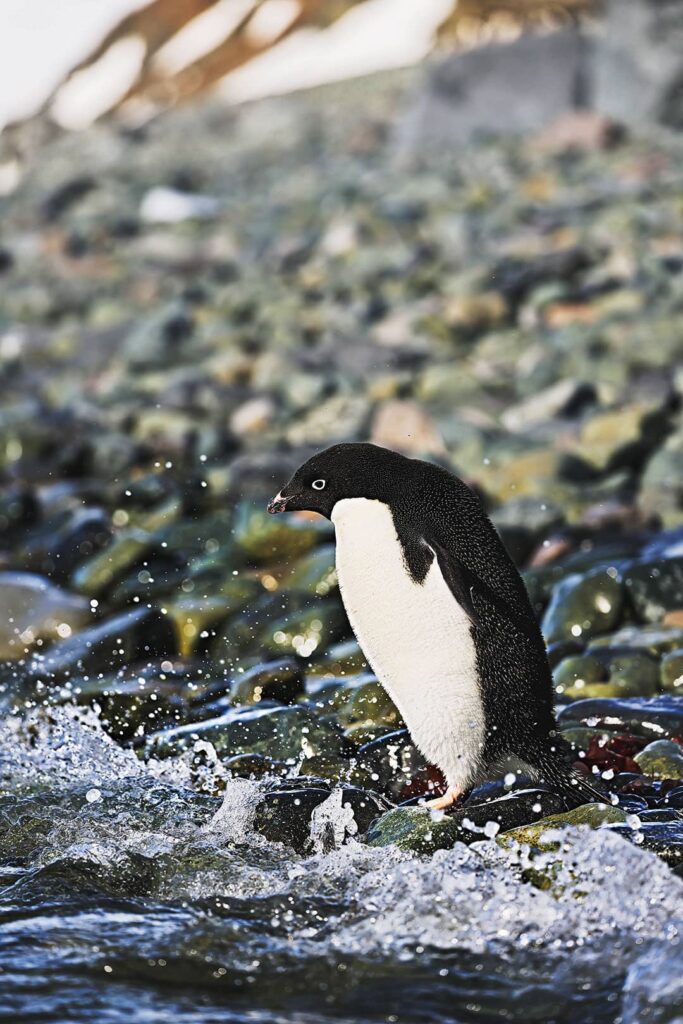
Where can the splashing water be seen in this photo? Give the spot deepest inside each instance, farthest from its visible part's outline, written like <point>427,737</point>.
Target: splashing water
<point>156,902</point>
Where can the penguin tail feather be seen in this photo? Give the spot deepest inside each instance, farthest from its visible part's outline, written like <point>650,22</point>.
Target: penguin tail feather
<point>556,771</point>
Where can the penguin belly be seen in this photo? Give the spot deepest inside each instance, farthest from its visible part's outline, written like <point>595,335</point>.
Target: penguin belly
<point>416,637</point>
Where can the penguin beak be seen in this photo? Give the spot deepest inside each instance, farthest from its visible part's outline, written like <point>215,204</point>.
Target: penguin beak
<point>278,504</point>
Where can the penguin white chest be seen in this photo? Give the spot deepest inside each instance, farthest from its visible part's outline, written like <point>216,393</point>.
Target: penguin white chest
<point>415,635</point>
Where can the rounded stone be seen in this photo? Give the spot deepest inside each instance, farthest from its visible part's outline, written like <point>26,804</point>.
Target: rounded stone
<point>662,759</point>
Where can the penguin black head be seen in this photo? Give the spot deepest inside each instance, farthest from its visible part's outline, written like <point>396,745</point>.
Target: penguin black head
<point>344,471</point>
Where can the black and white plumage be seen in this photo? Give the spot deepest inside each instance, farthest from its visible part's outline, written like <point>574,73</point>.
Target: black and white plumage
<point>440,612</point>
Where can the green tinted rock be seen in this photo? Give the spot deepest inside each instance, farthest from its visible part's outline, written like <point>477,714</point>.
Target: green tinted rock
<point>133,707</point>
<point>195,618</point>
<point>578,671</point>
<point>32,609</point>
<point>414,828</point>
<point>662,759</point>
<point>281,681</point>
<point>282,733</point>
<point>341,659</point>
<point>262,539</point>
<point>367,704</point>
<point>424,831</point>
<point>584,606</point>
<point>361,734</point>
<point>593,815</point>
<point>581,736</point>
<point>304,632</point>
<point>671,671</point>
<point>655,587</point>
<point>628,675</point>
<point>314,574</point>
<point>653,640</point>
<point>127,550</point>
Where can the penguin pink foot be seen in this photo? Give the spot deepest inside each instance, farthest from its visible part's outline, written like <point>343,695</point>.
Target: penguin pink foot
<point>450,797</point>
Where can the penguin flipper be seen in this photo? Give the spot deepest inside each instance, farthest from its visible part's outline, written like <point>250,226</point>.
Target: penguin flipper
<point>459,580</point>
<point>469,590</point>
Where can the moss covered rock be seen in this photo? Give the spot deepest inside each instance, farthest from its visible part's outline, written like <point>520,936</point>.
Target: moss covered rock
<point>662,759</point>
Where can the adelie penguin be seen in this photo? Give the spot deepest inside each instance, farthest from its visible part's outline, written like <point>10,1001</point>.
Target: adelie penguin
<point>441,613</point>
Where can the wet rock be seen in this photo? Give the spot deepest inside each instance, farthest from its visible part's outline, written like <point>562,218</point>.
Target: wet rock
<point>652,640</point>
<point>664,838</point>
<point>198,619</point>
<point>128,551</point>
<point>651,717</point>
<point>523,522</point>
<point>262,539</point>
<point>424,831</point>
<point>19,508</point>
<point>283,733</point>
<point>304,632</point>
<point>314,574</point>
<point>256,766</point>
<point>58,549</point>
<point>672,672</point>
<point>584,606</point>
<point>341,659</point>
<point>33,609</point>
<point>393,765</point>
<point>139,635</point>
<point>655,587</point>
<point>543,834</point>
<point>564,399</point>
<point>619,439</point>
<point>604,673</point>
<point>572,674</point>
<point>662,759</point>
<point>366,703</point>
<point>277,681</point>
<point>131,708</point>
<point>284,815</point>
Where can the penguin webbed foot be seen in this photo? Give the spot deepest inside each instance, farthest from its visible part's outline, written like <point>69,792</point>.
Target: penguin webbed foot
<point>452,796</point>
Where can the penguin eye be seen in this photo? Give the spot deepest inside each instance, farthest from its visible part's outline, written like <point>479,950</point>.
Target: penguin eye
<point>318,485</point>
